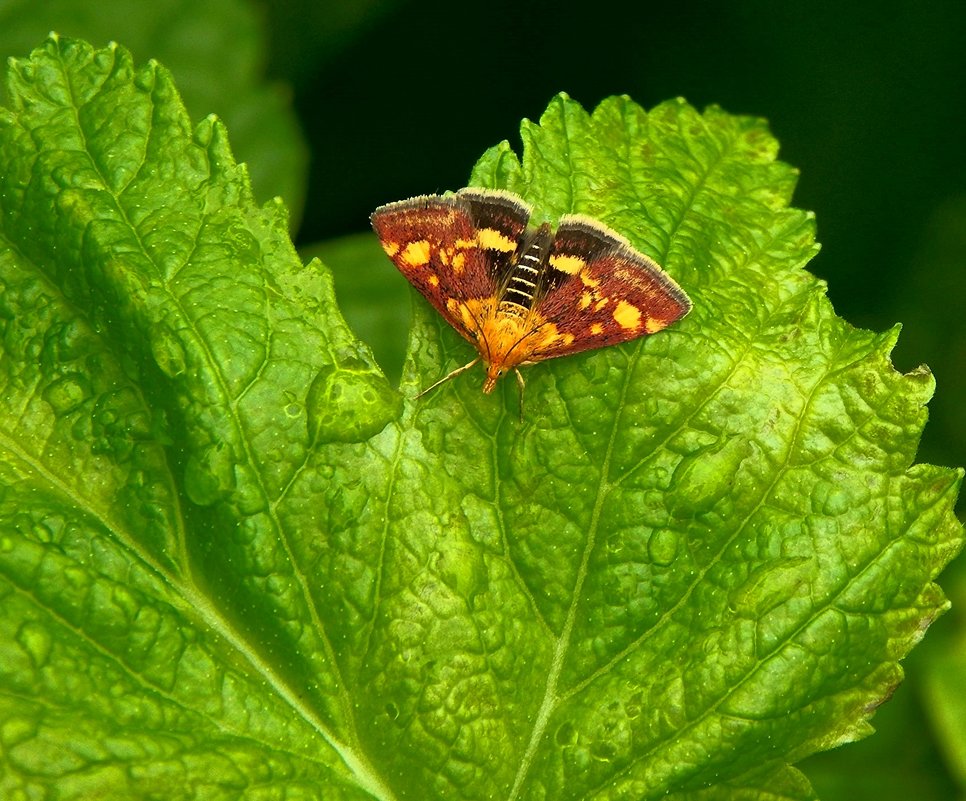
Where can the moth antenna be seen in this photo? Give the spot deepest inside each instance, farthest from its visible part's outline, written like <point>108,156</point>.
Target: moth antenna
<point>446,378</point>
<point>486,342</point>
<point>482,335</point>
<point>529,333</point>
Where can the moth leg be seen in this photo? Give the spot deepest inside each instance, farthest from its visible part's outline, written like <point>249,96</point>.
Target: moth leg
<point>446,378</point>
<point>522,384</point>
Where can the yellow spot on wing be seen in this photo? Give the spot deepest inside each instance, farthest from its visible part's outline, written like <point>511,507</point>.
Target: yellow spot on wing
<point>627,316</point>
<point>596,329</point>
<point>653,325</point>
<point>391,248</point>
<point>416,253</point>
<point>491,239</point>
<point>463,244</point>
<point>585,300</point>
<point>433,280</point>
<point>567,264</point>
<point>588,281</point>
<point>458,261</point>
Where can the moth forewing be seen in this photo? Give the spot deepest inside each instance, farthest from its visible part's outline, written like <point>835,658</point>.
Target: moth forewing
<point>523,294</point>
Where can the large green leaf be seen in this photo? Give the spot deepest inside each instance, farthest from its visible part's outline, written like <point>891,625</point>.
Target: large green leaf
<point>233,564</point>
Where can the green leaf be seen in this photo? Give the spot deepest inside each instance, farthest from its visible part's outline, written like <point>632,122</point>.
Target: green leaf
<point>372,295</point>
<point>216,50</point>
<point>229,570</point>
<point>160,341</point>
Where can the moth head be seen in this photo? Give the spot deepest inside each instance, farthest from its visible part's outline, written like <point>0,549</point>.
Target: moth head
<point>494,372</point>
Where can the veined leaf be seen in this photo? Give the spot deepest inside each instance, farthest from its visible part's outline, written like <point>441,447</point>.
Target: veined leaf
<point>233,565</point>
<point>216,50</point>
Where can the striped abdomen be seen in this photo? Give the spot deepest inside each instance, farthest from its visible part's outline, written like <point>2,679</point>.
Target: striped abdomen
<point>524,275</point>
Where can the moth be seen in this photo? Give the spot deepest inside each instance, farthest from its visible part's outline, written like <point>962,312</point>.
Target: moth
<point>518,293</point>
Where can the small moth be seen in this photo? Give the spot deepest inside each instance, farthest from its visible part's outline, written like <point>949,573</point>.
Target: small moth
<point>522,294</point>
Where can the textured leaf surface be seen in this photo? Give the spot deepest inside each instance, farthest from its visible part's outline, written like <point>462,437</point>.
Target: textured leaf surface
<point>229,569</point>
<point>216,50</point>
<point>371,295</point>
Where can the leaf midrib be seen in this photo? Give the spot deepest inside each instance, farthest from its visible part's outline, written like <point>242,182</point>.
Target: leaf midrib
<point>605,485</point>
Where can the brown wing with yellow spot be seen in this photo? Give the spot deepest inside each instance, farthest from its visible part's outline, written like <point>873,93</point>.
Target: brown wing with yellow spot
<point>453,248</point>
<point>501,220</point>
<point>597,290</point>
